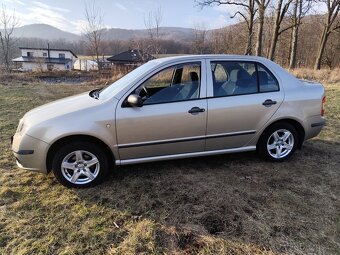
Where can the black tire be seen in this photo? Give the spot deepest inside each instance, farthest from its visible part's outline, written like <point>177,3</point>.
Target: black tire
<point>267,134</point>
<point>88,150</point>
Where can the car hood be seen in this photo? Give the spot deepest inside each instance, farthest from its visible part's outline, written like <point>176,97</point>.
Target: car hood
<point>60,107</point>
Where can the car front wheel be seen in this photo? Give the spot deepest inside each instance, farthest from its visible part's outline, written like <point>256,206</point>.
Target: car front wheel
<point>278,142</point>
<point>80,164</point>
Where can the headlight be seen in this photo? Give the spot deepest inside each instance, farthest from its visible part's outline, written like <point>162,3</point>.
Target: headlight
<point>20,126</point>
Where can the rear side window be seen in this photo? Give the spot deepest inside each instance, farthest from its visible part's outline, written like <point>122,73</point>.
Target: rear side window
<point>267,81</point>
<point>240,78</point>
<point>219,74</point>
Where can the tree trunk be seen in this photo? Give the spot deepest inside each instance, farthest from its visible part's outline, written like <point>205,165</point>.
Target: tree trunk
<point>275,34</point>
<point>321,48</point>
<point>260,31</point>
<point>294,39</point>
<point>248,50</point>
<point>250,23</point>
<point>292,61</point>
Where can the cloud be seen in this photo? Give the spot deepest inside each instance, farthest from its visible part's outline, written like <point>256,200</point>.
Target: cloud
<point>78,26</point>
<point>120,6</point>
<point>15,2</point>
<point>228,9</point>
<point>40,12</point>
<point>219,21</point>
<point>318,7</point>
<point>49,7</point>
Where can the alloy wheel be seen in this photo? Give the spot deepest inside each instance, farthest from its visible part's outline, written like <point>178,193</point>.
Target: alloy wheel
<point>80,167</point>
<point>280,143</point>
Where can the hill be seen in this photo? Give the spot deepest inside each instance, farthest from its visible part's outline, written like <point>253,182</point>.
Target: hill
<point>44,31</point>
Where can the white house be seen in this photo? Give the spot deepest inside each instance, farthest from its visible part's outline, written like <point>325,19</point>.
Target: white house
<point>43,59</point>
<point>85,65</point>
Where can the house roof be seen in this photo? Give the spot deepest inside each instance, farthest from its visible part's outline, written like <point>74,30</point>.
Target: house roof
<point>43,60</point>
<point>131,56</point>
<point>32,48</point>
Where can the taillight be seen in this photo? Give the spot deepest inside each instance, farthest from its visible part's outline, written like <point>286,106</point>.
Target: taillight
<point>323,106</point>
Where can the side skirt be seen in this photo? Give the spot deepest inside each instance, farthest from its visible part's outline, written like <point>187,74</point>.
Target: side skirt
<point>184,155</point>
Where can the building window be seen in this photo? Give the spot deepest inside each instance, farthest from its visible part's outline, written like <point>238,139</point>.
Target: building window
<point>29,54</point>
<point>44,54</point>
<point>61,55</point>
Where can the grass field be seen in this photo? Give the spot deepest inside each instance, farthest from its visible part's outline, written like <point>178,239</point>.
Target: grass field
<point>229,204</point>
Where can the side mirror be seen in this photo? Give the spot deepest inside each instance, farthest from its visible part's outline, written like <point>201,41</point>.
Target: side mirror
<point>135,100</point>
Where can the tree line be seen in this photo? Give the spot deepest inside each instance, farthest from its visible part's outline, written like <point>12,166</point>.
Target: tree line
<point>283,18</point>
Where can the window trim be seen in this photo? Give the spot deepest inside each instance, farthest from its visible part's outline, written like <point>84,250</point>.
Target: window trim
<point>201,64</point>
<point>256,63</point>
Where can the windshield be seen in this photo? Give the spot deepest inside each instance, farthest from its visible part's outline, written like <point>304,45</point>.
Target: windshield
<point>120,84</point>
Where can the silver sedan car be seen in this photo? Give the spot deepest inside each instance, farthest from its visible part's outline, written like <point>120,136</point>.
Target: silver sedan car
<point>172,108</point>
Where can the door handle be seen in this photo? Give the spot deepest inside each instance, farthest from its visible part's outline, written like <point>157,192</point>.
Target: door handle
<point>268,102</point>
<point>195,110</point>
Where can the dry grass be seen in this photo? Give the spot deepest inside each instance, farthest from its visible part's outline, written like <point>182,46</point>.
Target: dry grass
<point>229,204</point>
<point>324,75</point>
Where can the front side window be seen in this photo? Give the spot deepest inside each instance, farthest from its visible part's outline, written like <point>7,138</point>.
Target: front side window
<point>176,83</point>
<point>61,55</point>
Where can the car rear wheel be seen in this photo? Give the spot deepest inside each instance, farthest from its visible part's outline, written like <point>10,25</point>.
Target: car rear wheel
<point>80,164</point>
<point>278,142</point>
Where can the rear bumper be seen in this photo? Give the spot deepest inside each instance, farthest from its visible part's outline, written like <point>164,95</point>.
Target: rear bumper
<point>30,153</point>
<point>318,124</point>
<point>313,126</point>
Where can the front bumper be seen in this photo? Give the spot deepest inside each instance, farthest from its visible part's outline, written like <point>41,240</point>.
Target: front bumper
<point>30,152</point>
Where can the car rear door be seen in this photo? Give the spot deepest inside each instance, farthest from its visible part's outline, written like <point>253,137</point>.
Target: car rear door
<point>242,97</point>
<point>173,117</point>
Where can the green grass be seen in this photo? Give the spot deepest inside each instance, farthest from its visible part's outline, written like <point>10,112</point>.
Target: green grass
<point>229,204</point>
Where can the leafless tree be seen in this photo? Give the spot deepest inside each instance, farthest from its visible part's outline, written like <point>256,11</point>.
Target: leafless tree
<point>261,6</point>
<point>280,12</point>
<point>330,26</point>
<point>8,22</point>
<point>153,23</point>
<point>144,47</point>
<point>219,41</point>
<point>200,38</point>
<point>93,29</point>
<point>332,50</point>
<point>300,9</point>
<point>247,12</point>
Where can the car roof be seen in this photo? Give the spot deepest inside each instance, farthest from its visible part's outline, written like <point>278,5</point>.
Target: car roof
<point>209,56</point>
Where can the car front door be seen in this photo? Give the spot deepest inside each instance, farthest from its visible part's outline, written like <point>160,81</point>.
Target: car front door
<point>243,96</point>
<point>173,117</point>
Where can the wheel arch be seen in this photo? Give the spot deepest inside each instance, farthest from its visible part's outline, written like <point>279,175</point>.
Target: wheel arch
<point>76,138</point>
<point>296,124</point>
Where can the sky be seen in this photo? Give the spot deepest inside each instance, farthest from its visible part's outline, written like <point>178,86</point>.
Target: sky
<point>68,15</point>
